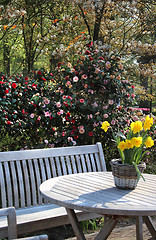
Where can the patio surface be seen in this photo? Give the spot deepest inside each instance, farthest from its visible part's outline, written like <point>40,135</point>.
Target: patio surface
<point>121,233</point>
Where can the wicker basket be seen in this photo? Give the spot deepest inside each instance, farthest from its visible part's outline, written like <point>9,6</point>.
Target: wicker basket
<point>125,176</point>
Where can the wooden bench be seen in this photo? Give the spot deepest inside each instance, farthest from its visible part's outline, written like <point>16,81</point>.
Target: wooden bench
<point>22,172</point>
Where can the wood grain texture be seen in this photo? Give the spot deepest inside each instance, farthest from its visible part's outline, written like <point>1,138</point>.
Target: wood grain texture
<point>95,192</point>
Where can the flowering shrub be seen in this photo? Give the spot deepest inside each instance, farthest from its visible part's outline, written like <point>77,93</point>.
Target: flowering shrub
<point>66,106</point>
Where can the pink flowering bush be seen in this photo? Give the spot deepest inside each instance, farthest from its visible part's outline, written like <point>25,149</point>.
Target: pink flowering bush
<point>67,105</point>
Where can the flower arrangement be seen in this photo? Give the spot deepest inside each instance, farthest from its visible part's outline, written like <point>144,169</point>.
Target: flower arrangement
<point>133,141</point>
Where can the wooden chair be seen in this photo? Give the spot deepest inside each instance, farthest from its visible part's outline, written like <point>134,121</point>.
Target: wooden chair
<point>12,226</point>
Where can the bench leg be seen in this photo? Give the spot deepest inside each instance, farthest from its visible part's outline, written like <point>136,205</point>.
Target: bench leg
<point>150,226</point>
<point>139,229</point>
<point>75,224</point>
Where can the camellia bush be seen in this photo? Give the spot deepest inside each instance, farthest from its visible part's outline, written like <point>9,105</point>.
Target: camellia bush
<point>67,105</point>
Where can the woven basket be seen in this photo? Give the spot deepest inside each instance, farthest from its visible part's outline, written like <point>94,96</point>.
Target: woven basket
<point>125,176</point>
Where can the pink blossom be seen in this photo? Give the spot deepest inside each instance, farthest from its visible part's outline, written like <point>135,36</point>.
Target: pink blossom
<point>47,114</point>
<point>113,122</point>
<point>84,76</point>
<point>110,102</point>
<point>68,83</point>
<point>39,118</point>
<point>81,100</point>
<point>75,79</point>
<point>135,118</point>
<point>58,104</point>
<point>46,141</point>
<point>105,115</point>
<point>61,111</point>
<point>32,115</point>
<point>81,130</point>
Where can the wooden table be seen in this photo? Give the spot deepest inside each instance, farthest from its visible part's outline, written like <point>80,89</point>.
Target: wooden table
<point>95,192</point>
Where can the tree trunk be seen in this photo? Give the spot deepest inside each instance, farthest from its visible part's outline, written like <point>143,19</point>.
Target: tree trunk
<point>6,57</point>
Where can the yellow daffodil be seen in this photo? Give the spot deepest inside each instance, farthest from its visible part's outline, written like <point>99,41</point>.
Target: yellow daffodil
<point>122,146</point>
<point>148,123</point>
<point>128,144</point>
<point>105,126</point>
<point>136,141</point>
<point>149,142</point>
<point>136,126</point>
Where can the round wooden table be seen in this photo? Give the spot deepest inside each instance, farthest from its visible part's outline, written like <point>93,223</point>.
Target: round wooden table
<point>96,192</point>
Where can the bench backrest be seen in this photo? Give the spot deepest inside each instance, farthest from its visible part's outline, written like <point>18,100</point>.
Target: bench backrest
<point>22,172</point>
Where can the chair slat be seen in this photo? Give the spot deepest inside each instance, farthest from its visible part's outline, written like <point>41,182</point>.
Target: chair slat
<point>2,187</point>
<point>53,167</point>
<point>43,174</point>
<point>27,183</point>
<point>73,164</point>
<point>38,180</point>
<point>93,162</point>
<point>68,165</point>
<point>21,184</point>
<point>88,162</point>
<point>63,166</point>
<point>33,185</point>
<point>98,162</point>
<point>15,184</point>
<point>42,169</point>
<point>58,166</point>
<point>83,161</point>
<point>8,184</point>
<point>78,163</point>
<point>49,175</point>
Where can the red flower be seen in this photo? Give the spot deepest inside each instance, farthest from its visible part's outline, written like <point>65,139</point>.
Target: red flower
<point>14,85</point>
<point>91,59</point>
<point>6,91</point>
<point>39,73</point>
<point>26,78</point>
<point>73,121</point>
<point>43,79</point>
<point>133,86</point>
<point>87,52</point>
<point>8,122</point>
<point>34,85</point>
<point>90,134</point>
<point>23,111</point>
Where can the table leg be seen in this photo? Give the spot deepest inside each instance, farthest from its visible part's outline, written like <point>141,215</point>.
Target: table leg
<point>139,230</point>
<point>107,228</point>
<point>150,226</point>
<point>75,224</point>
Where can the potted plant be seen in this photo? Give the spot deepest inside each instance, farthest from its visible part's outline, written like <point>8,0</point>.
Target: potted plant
<point>132,144</point>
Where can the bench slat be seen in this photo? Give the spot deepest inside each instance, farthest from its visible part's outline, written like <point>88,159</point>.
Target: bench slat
<point>93,162</point>
<point>68,165</point>
<point>88,163</point>
<point>63,163</point>
<point>73,164</point>
<point>78,163</point>
<point>52,162</point>
<point>27,183</point>
<point>14,184</point>
<point>33,185</point>
<point>38,179</point>
<point>48,170</point>
<point>21,184</point>
<point>83,161</point>
<point>9,186</point>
